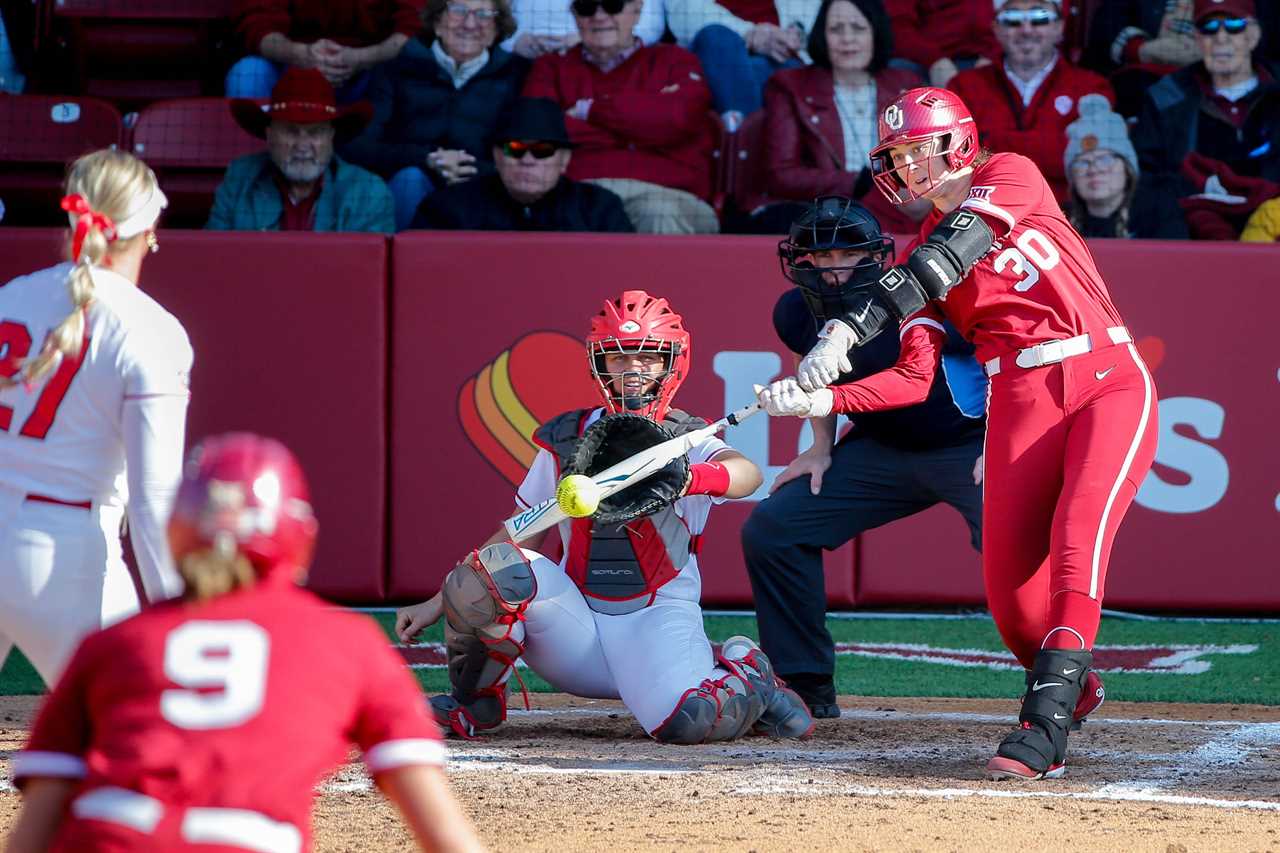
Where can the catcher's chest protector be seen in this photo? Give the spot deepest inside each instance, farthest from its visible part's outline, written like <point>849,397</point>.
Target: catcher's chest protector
<point>620,569</point>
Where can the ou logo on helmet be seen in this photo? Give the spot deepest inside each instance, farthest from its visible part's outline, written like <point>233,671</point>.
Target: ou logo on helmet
<point>893,116</point>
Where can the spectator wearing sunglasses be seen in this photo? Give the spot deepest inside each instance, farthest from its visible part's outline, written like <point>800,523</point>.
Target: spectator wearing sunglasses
<point>1136,42</point>
<point>547,26</point>
<point>937,38</point>
<point>529,191</point>
<point>439,103</point>
<point>1102,168</point>
<point>637,116</point>
<point>342,39</point>
<point>1219,116</point>
<point>1023,103</point>
<point>740,43</point>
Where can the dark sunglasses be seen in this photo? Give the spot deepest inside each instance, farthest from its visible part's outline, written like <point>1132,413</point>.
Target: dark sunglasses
<point>1234,26</point>
<point>540,150</point>
<point>587,8</point>
<point>1035,17</point>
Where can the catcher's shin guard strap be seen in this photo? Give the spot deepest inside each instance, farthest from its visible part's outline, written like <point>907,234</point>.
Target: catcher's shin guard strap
<point>1053,689</point>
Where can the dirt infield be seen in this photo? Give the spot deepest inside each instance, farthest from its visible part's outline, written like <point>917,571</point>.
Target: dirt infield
<point>891,774</point>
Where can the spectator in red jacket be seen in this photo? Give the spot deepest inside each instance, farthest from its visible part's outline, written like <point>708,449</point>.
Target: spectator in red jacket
<point>1024,103</point>
<point>343,39</point>
<point>937,38</point>
<point>638,118</point>
<point>820,120</point>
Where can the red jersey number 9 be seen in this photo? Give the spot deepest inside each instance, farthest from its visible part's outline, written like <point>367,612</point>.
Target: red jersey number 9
<point>1034,254</point>
<point>222,667</point>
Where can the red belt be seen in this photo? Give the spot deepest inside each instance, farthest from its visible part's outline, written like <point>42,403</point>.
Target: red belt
<point>45,499</point>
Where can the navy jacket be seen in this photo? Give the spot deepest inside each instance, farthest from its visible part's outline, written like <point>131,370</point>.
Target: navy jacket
<point>416,110</point>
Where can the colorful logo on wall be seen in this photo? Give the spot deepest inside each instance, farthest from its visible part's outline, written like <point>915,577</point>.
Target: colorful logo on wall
<point>541,375</point>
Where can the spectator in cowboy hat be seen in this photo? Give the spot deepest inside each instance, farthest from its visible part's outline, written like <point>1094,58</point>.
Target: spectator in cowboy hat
<point>298,183</point>
<point>529,192</point>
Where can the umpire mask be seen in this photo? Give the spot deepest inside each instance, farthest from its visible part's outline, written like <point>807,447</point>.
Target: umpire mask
<point>810,255</point>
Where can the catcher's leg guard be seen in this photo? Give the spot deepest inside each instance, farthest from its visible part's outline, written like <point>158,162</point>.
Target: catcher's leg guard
<point>484,603</point>
<point>1037,749</point>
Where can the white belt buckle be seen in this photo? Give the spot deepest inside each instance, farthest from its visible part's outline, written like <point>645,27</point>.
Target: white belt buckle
<point>1049,352</point>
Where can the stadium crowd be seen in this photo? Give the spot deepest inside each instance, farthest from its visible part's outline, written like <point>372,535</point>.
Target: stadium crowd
<point>1150,118</point>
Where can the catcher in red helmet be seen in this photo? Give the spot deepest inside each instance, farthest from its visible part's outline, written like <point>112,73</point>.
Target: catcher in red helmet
<point>1071,416</point>
<point>618,616</point>
<point>196,722</point>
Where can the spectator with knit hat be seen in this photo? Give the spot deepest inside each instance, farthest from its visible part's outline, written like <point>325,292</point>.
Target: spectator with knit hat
<point>1102,170</point>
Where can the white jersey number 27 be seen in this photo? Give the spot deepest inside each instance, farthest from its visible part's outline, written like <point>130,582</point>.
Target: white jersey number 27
<point>223,668</point>
<point>1034,254</point>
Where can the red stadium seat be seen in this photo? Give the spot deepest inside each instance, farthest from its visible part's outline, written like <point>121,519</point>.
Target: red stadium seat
<point>189,143</point>
<point>136,51</point>
<point>39,135</point>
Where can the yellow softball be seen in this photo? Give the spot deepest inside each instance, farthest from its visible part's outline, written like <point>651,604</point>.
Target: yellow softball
<point>578,496</point>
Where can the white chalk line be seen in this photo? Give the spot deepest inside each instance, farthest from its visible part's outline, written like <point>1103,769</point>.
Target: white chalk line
<point>938,716</point>
<point>806,787</point>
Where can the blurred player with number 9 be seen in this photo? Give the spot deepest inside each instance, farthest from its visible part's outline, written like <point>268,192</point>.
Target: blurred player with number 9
<point>93,402</point>
<point>209,720</point>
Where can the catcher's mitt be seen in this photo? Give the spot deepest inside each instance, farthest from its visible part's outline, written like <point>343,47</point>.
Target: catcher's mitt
<point>610,440</point>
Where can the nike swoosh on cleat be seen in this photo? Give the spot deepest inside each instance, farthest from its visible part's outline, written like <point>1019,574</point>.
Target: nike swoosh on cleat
<point>1038,686</point>
<point>1069,671</point>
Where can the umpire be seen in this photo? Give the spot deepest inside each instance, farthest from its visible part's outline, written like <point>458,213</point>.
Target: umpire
<point>889,465</point>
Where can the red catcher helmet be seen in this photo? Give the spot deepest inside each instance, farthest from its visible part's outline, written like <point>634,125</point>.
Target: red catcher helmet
<point>244,493</point>
<point>637,322</point>
<point>924,114</point>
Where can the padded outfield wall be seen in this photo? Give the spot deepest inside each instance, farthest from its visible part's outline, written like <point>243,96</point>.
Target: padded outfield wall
<point>408,373</point>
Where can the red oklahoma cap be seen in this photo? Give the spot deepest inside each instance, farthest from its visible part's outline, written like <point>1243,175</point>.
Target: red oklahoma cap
<point>1230,8</point>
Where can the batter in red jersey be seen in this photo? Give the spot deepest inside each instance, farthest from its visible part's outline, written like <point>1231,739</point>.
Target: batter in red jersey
<point>1071,420</point>
<point>206,722</point>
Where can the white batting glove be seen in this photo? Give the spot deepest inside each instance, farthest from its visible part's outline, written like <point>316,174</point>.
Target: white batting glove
<point>829,357</point>
<point>786,397</point>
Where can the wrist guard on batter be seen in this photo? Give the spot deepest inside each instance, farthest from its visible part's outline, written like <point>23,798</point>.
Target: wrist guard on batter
<point>619,436</point>
<point>874,315</point>
<point>955,245</point>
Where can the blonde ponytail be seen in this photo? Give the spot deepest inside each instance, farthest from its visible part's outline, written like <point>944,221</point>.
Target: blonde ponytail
<point>209,573</point>
<point>106,191</point>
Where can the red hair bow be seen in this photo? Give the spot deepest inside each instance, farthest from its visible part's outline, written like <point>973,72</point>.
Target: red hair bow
<point>86,218</point>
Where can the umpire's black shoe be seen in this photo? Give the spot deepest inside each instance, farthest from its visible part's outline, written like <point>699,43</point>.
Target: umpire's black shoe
<point>818,691</point>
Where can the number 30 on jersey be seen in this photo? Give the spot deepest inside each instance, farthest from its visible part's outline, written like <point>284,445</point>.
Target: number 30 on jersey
<point>1033,255</point>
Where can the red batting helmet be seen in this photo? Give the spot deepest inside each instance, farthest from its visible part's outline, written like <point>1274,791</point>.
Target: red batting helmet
<point>634,322</point>
<point>919,115</point>
<point>244,493</point>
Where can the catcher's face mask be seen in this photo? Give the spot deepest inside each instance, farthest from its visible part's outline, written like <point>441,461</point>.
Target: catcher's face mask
<point>635,377</point>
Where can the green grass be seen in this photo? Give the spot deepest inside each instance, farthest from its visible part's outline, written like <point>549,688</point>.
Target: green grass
<point>1249,678</point>
<point>1231,679</point>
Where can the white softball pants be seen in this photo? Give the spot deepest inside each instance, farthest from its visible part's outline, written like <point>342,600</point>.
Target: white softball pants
<point>648,659</point>
<point>62,576</point>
